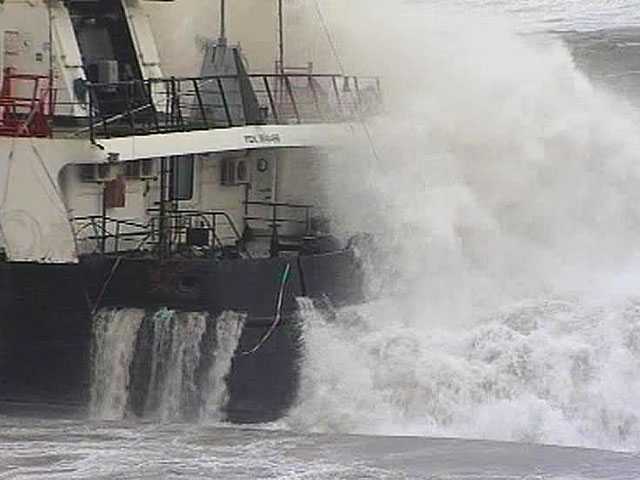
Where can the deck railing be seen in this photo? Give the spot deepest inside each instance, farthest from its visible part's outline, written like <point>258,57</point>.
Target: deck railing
<point>27,104</point>
<point>286,225</point>
<point>200,103</point>
<point>207,231</point>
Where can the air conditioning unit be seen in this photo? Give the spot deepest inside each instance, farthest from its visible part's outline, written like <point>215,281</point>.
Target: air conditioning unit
<point>147,168</point>
<point>138,169</point>
<point>131,170</point>
<point>96,173</point>
<point>234,171</point>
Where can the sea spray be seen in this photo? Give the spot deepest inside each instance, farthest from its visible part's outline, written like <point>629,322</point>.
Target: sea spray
<point>561,371</point>
<point>502,191</point>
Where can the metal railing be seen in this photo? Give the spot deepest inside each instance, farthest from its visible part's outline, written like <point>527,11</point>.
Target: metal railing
<point>180,230</point>
<point>199,103</point>
<point>286,225</point>
<point>27,104</point>
<point>208,230</point>
<point>276,218</point>
<point>103,234</point>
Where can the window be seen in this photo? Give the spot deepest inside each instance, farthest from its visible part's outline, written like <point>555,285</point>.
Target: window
<point>242,174</point>
<point>228,171</point>
<point>182,177</point>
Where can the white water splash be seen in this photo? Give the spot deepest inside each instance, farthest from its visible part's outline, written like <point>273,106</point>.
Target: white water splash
<point>549,371</point>
<point>114,339</point>
<point>160,354</point>
<point>182,377</point>
<point>504,197</point>
<point>229,327</point>
<point>183,334</point>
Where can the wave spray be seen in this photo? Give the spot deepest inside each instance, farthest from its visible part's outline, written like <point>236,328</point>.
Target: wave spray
<point>502,191</point>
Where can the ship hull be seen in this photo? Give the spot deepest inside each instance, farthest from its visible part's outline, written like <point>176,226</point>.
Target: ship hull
<point>46,321</point>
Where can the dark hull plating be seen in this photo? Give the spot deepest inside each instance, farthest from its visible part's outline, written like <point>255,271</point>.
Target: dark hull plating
<point>45,323</point>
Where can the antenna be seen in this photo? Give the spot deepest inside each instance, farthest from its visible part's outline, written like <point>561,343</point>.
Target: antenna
<point>51,65</point>
<point>280,37</point>
<point>222,40</point>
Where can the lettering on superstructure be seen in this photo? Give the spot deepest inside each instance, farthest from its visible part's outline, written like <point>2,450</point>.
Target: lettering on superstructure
<point>263,139</point>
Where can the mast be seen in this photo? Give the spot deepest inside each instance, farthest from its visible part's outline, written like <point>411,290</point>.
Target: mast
<point>222,40</point>
<point>49,113</point>
<point>280,37</point>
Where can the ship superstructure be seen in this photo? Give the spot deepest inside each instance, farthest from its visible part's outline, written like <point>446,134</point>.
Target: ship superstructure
<point>120,188</point>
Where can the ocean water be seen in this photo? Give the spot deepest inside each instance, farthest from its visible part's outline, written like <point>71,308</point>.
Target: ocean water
<point>502,189</point>
<point>66,449</point>
<point>564,15</point>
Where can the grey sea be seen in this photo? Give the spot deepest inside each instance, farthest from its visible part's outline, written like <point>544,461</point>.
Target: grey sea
<point>540,384</point>
<point>66,449</point>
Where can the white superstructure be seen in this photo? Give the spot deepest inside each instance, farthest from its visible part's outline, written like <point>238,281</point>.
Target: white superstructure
<point>129,161</point>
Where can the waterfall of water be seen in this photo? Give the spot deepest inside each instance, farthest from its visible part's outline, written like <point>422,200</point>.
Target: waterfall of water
<point>176,353</point>
<point>229,327</point>
<point>165,364</point>
<point>114,338</point>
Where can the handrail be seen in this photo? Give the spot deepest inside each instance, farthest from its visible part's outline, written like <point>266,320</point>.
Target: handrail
<point>111,219</point>
<point>108,228</point>
<point>165,105</point>
<point>277,204</point>
<point>275,221</point>
<point>225,215</point>
<point>109,120</point>
<point>22,116</point>
<point>231,77</point>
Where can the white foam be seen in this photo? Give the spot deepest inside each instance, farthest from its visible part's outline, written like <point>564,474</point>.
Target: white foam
<point>178,387</point>
<point>503,194</point>
<point>114,340</point>
<point>229,327</point>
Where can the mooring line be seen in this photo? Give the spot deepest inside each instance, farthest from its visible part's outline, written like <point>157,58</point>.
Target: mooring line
<point>114,267</point>
<point>278,316</point>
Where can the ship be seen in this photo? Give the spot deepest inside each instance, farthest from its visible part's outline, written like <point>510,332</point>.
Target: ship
<point>122,188</point>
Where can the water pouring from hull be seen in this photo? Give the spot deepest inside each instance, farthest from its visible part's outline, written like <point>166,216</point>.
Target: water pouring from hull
<point>165,364</point>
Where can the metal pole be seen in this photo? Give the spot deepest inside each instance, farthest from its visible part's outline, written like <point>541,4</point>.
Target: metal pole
<point>162,240</point>
<point>223,27</point>
<point>280,37</point>
<point>103,240</point>
<point>92,135</point>
<point>50,88</point>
